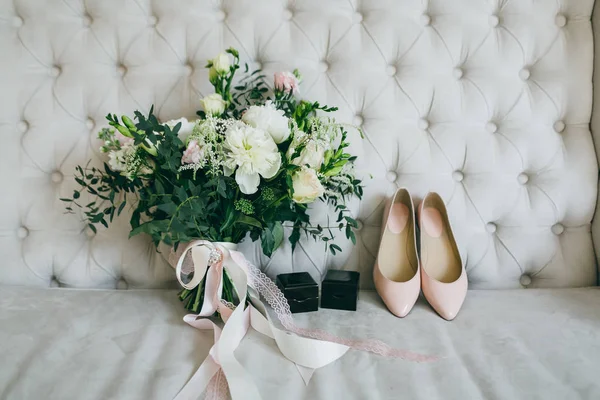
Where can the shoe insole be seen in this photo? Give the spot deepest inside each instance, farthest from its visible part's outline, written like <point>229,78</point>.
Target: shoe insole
<point>395,249</point>
<point>437,254</point>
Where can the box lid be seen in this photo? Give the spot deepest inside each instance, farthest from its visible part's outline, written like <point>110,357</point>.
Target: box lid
<point>340,277</point>
<point>296,279</point>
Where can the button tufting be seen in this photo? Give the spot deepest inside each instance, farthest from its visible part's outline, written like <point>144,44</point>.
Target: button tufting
<point>56,177</point>
<point>357,18</point>
<point>122,285</point>
<point>425,20</point>
<point>391,176</point>
<point>457,73</point>
<point>55,71</point>
<point>423,124</point>
<point>491,127</point>
<point>87,20</point>
<point>524,74</point>
<point>391,70</point>
<point>458,176</point>
<point>357,120</point>
<point>323,66</point>
<point>17,21</point>
<point>89,123</point>
<point>558,229</point>
<point>54,282</point>
<point>491,227</point>
<point>522,178</point>
<point>560,20</point>
<point>23,126</point>
<point>287,14</point>
<point>220,15</point>
<point>559,126</point>
<point>525,280</point>
<point>359,225</point>
<point>258,64</point>
<point>152,20</point>
<point>22,232</point>
<point>494,21</point>
<point>121,70</point>
<point>189,69</point>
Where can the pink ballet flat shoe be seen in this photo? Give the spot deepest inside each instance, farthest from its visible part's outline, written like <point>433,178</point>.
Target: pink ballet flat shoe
<point>396,270</point>
<point>443,276</point>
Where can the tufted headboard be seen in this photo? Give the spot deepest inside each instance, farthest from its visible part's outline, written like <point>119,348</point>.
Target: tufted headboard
<point>486,102</point>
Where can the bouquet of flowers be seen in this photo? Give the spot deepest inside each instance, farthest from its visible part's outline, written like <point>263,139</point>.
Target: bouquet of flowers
<point>253,162</point>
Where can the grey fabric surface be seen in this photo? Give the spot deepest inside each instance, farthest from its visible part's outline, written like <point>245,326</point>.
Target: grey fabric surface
<point>521,344</point>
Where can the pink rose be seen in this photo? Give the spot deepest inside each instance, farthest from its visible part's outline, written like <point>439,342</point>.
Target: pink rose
<point>193,154</point>
<point>286,82</point>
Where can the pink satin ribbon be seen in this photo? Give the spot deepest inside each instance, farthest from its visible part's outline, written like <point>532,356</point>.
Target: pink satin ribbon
<point>214,372</point>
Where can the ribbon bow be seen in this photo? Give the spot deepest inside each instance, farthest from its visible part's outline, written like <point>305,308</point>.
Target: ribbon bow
<point>220,370</point>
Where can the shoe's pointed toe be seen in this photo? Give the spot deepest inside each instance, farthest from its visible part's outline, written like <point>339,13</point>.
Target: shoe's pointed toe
<point>445,298</point>
<point>399,297</point>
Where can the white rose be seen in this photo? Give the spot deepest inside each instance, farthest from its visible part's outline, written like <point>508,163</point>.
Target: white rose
<point>312,155</point>
<point>307,187</point>
<point>213,104</point>
<point>269,119</point>
<point>221,63</point>
<point>187,127</point>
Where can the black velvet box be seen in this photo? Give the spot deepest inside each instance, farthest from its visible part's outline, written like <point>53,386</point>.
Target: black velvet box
<point>300,290</point>
<point>339,290</point>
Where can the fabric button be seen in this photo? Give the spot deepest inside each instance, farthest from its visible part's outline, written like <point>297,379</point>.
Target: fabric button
<point>357,120</point>
<point>357,18</point>
<point>55,71</point>
<point>359,225</point>
<point>121,70</point>
<point>559,126</point>
<point>189,69</point>
<point>152,20</point>
<point>425,20</point>
<point>257,65</point>
<point>522,178</point>
<point>87,20</point>
<point>57,177</point>
<point>391,176</point>
<point>457,73</point>
<point>220,15</point>
<point>423,124</point>
<point>491,227</point>
<point>391,70</point>
<point>560,20</point>
<point>323,66</point>
<point>89,123</point>
<point>494,21</point>
<point>558,229</point>
<point>23,126</point>
<point>54,282</point>
<point>491,127</point>
<point>524,74</point>
<point>122,285</point>
<point>525,280</point>
<point>287,15</point>
<point>17,21</point>
<point>22,232</point>
<point>458,176</point>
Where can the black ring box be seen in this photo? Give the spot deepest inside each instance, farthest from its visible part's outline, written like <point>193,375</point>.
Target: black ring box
<point>300,290</point>
<point>339,290</point>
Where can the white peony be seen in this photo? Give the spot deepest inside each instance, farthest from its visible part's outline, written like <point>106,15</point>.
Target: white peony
<point>269,119</point>
<point>213,104</point>
<point>307,187</point>
<point>254,153</point>
<point>187,127</point>
<point>221,63</point>
<point>313,155</point>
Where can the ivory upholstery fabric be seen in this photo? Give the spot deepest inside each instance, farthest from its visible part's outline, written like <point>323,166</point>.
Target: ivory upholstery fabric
<point>126,345</point>
<point>486,102</point>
